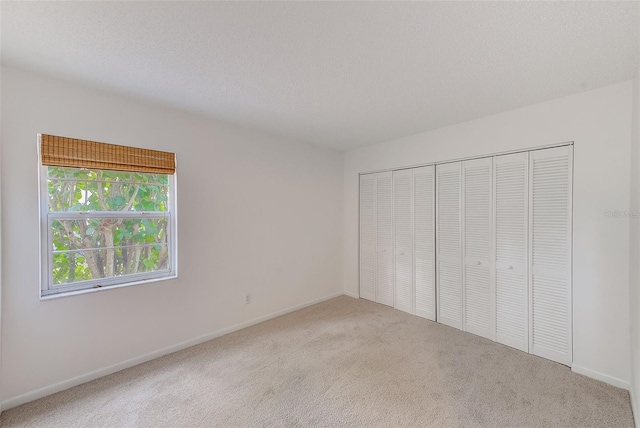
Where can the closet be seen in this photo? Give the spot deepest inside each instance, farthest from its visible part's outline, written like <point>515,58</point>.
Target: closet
<point>482,245</point>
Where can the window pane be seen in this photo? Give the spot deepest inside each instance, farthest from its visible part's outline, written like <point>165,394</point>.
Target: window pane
<point>95,248</point>
<point>83,190</point>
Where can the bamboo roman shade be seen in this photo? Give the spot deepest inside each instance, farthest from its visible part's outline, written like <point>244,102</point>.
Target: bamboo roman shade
<point>70,152</point>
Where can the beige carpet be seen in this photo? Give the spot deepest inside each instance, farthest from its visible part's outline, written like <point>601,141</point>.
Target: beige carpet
<point>344,362</point>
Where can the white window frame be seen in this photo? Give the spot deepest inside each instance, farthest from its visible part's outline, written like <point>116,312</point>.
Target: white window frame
<point>49,291</point>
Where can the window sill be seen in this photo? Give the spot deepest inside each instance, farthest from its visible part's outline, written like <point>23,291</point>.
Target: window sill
<point>110,287</point>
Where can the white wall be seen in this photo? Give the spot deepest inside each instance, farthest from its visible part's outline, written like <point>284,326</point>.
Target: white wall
<point>634,261</point>
<point>599,123</point>
<point>264,215</point>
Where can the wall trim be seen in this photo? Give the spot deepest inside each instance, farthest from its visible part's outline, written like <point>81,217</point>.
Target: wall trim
<point>490,155</point>
<point>350,294</point>
<point>600,376</point>
<point>634,409</point>
<point>78,380</point>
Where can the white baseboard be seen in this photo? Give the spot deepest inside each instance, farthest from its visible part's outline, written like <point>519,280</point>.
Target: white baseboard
<point>634,407</point>
<point>600,376</point>
<point>78,380</point>
<point>350,294</point>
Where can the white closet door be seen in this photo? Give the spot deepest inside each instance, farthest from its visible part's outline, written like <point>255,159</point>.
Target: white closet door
<point>403,239</point>
<point>477,225</point>
<point>511,174</point>
<point>368,231</point>
<point>384,218</point>
<point>449,257</point>
<point>424,242</point>
<point>550,235</point>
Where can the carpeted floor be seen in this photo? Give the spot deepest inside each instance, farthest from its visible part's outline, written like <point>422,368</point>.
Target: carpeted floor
<point>344,362</point>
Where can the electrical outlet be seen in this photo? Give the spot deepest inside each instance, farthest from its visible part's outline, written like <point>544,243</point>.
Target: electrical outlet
<point>247,299</point>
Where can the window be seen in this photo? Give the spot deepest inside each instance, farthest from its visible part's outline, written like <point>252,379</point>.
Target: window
<point>107,215</point>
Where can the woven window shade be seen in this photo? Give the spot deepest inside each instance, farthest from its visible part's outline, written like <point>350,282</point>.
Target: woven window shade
<point>69,152</point>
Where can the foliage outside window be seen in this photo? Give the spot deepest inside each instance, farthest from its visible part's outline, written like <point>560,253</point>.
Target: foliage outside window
<point>105,228</point>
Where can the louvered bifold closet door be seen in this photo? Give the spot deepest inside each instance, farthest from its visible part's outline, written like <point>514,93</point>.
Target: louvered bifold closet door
<point>511,174</point>
<point>449,254</point>
<point>368,231</point>
<point>550,272</point>
<point>424,241</point>
<point>477,231</point>
<point>403,239</point>
<point>384,253</point>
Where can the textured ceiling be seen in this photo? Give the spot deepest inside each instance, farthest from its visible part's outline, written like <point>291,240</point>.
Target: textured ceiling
<point>342,74</point>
